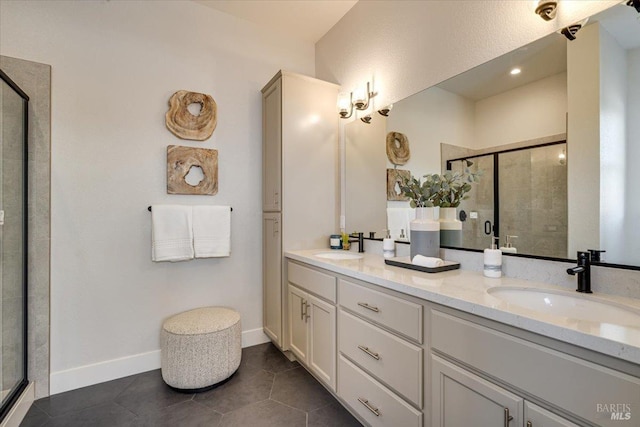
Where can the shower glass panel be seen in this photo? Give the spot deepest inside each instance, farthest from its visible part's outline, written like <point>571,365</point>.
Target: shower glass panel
<point>13,232</point>
<point>533,199</point>
<point>477,212</point>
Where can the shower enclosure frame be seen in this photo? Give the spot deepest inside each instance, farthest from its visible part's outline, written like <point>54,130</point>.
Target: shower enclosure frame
<point>15,394</point>
<point>495,227</point>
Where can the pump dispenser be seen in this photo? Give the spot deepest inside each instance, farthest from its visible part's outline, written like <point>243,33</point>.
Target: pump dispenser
<point>493,260</point>
<point>388,246</point>
<point>509,248</point>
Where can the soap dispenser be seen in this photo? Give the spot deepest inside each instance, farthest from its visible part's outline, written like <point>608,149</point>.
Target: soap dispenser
<point>493,260</point>
<point>388,246</point>
<point>509,248</point>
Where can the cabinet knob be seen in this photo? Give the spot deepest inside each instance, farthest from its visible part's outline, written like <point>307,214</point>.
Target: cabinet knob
<point>529,424</point>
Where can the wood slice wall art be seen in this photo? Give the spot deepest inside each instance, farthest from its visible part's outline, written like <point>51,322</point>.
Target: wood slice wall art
<point>398,151</point>
<point>180,160</point>
<point>185,125</point>
<point>394,178</point>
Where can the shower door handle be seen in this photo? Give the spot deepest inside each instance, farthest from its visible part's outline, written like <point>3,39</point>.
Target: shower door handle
<point>488,228</point>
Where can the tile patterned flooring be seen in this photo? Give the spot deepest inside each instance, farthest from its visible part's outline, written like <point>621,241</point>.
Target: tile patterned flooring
<point>267,390</point>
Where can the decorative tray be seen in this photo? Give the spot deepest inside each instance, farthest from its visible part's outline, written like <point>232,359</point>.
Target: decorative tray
<point>405,262</point>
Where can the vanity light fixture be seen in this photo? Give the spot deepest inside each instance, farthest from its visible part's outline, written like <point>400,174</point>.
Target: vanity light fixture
<point>570,31</point>
<point>359,99</point>
<point>345,105</point>
<point>515,71</point>
<point>547,9</point>
<point>635,4</point>
<point>385,111</point>
<point>366,119</point>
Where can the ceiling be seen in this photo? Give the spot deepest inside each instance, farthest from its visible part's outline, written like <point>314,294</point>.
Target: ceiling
<point>308,20</point>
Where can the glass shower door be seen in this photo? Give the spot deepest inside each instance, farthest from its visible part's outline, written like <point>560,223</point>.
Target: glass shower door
<point>13,233</point>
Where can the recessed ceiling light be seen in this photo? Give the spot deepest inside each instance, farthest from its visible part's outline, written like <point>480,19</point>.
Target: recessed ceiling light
<point>515,71</point>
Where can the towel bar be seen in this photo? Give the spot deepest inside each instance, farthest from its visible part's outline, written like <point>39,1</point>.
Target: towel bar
<point>149,209</point>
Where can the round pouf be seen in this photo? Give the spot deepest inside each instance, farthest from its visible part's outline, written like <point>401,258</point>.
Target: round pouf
<point>200,348</point>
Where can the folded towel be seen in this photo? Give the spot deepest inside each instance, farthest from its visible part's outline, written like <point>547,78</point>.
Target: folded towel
<point>399,219</point>
<point>171,233</point>
<point>425,261</point>
<point>212,231</point>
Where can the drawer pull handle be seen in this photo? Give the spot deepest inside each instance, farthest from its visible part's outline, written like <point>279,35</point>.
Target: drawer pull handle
<point>507,417</point>
<point>369,352</point>
<point>365,402</point>
<point>369,307</point>
<point>529,424</point>
<point>306,310</point>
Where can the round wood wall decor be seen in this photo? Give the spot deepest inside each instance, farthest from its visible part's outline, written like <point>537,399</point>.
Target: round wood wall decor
<point>185,125</point>
<point>398,151</point>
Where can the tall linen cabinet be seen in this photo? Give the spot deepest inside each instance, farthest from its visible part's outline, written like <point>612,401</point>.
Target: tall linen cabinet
<point>300,193</point>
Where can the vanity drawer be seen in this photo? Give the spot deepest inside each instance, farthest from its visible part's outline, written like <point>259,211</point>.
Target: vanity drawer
<point>573,384</point>
<point>375,404</point>
<point>404,317</point>
<point>316,282</point>
<point>392,360</point>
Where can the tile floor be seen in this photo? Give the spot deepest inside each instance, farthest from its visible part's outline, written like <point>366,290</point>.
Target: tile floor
<point>267,390</point>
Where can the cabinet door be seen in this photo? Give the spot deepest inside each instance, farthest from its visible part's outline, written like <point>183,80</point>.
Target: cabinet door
<point>322,340</point>
<point>462,399</point>
<point>272,276</point>
<point>298,331</point>
<point>272,148</point>
<point>535,416</point>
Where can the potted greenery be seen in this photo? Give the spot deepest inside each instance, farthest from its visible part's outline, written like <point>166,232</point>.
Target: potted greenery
<point>444,191</point>
<point>424,230</point>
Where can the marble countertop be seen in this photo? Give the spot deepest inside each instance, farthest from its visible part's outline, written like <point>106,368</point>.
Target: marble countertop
<point>467,291</point>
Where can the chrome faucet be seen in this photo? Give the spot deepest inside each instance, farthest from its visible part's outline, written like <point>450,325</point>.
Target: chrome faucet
<point>583,271</point>
<point>359,240</point>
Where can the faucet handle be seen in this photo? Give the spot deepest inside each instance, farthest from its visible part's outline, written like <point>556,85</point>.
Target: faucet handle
<point>596,254</point>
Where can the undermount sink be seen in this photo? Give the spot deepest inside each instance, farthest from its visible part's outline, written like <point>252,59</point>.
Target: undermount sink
<point>565,304</point>
<point>339,255</point>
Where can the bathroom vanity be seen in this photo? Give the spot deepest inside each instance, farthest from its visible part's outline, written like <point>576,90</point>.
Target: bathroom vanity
<point>405,348</point>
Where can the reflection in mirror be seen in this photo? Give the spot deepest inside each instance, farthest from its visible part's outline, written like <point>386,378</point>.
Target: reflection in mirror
<point>557,198</point>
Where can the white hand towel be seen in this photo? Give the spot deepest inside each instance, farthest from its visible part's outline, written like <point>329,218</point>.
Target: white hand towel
<point>212,231</point>
<point>399,219</point>
<point>425,261</point>
<point>171,233</point>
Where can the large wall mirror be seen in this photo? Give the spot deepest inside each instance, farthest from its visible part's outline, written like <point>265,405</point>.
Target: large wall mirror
<point>555,128</point>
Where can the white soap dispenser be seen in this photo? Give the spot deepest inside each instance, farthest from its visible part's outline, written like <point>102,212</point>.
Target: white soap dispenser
<point>509,248</point>
<point>388,246</point>
<point>493,260</point>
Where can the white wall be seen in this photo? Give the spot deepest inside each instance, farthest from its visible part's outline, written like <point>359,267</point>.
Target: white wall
<point>430,118</point>
<point>407,46</point>
<point>613,151</point>
<point>632,215</point>
<point>115,65</point>
<point>535,110</point>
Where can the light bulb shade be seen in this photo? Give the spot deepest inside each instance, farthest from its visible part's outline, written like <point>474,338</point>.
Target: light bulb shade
<point>344,101</point>
<point>359,96</point>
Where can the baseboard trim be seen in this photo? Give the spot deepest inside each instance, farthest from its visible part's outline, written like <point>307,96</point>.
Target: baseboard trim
<point>108,370</point>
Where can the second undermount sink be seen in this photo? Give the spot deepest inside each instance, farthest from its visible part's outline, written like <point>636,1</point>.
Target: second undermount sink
<point>565,304</point>
<point>339,255</point>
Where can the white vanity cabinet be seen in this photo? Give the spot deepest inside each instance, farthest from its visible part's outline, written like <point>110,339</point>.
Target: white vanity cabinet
<point>380,368</point>
<point>565,383</point>
<point>299,122</point>
<point>312,321</point>
<point>462,399</point>
<point>407,361</point>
